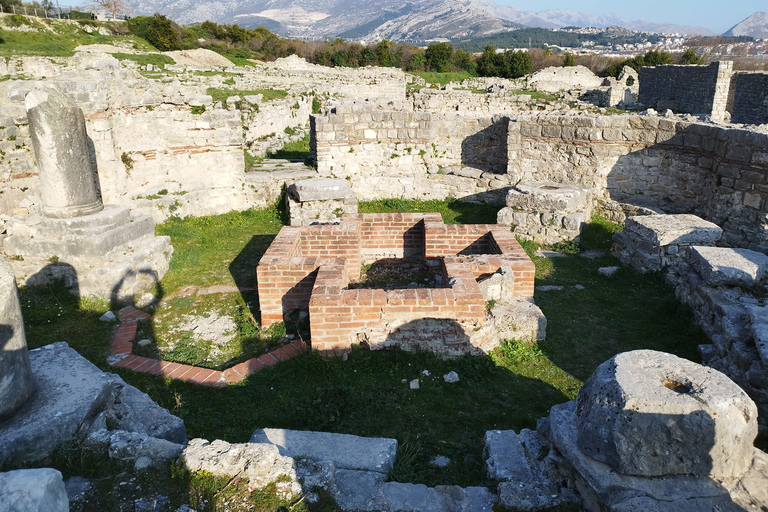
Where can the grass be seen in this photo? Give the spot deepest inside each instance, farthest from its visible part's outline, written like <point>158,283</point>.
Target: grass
<point>536,95</point>
<point>296,150</point>
<point>442,78</point>
<point>59,43</point>
<point>155,59</point>
<point>366,395</point>
<point>219,94</point>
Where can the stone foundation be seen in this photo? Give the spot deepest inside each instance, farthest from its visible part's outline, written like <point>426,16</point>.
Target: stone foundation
<point>319,201</point>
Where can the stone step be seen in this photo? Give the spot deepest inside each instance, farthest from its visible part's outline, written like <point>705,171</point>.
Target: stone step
<point>343,450</point>
<point>726,266</point>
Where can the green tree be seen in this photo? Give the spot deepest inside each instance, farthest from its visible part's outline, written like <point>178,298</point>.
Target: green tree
<point>690,57</point>
<point>439,57</point>
<point>569,60</point>
<point>160,33</point>
<point>383,55</point>
<point>518,64</point>
<point>417,62</point>
<point>488,62</point>
<point>463,60</point>
<point>656,58</point>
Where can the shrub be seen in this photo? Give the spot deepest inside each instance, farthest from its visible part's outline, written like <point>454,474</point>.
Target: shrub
<point>569,60</point>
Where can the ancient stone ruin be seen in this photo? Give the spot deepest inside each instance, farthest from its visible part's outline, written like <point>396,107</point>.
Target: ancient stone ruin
<point>99,250</point>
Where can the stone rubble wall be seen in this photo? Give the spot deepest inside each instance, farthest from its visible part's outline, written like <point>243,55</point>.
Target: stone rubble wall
<point>415,155</point>
<point>750,98</point>
<point>715,172</point>
<point>687,89</point>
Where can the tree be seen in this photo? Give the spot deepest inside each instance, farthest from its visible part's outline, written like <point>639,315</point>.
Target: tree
<point>160,33</point>
<point>439,57</point>
<point>488,63</point>
<point>463,60</point>
<point>569,60</point>
<point>690,57</point>
<point>112,6</point>
<point>383,56</point>
<point>416,62</point>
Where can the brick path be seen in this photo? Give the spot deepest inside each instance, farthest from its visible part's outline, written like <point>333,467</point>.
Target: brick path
<point>121,355</point>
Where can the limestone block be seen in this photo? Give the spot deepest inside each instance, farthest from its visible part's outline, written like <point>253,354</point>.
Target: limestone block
<point>17,384</point>
<point>504,456</point>
<point>548,196</point>
<point>33,490</point>
<point>663,230</point>
<point>320,189</point>
<point>343,450</point>
<point>650,414</point>
<point>519,319</point>
<point>70,392</point>
<point>353,490</point>
<point>259,463</point>
<point>141,449</point>
<point>721,266</point>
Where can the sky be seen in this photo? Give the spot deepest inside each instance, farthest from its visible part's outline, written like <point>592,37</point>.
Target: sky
<point>716,15</point>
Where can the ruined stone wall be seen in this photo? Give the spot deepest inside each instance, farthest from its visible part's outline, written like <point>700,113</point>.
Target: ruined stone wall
<point>412,154</point>
<point>718,173</point>
<point>750,98</point>
<point>687,89</point>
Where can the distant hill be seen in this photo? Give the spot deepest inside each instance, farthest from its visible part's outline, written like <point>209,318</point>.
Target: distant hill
<point>755,26</point>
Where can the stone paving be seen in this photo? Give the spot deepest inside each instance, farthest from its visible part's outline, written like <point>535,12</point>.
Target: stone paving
<point>121,355</point>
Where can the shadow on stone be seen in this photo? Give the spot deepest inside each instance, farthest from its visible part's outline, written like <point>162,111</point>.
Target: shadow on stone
<point>487,149</point>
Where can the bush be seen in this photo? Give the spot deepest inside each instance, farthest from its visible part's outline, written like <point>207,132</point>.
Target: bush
<point>569,60</point>
<point>439,57</point>
<point>689,58</point>
<point>157,30</point>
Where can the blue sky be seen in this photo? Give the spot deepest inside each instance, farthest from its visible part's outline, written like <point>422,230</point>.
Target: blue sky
<point>717,16</point>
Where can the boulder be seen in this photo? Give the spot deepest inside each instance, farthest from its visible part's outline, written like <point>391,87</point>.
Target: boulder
<point>33,490</point>
<point>648,413</point>
<point>320,189</point>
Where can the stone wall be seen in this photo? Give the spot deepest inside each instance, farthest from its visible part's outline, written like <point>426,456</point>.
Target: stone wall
<point>409,154</point>
<point>750,98</point>
<point>687,89</point>
<point>716,172</point>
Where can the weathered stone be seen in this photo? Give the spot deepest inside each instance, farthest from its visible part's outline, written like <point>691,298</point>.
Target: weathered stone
<point>33,490</point>
<point>344,450</point>
<point>320,189</point>
<point>647,413</point>
<point>260,464</point>
<point>354,490</point>
<point>519,319</point>
<point>547,195</point>
<point>608,271</point>
<point>70,392</point>
<point>759,318</point>
<point>662,230</point>
<point>134,411</point>
<point>69,184</point>
<point>142,449</point>
<point>724,266</point>
<point>17,383</point>
<point>504,456</point>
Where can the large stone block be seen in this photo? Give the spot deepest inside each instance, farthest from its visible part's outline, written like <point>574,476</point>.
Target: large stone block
<point>320,189</point>
<point>648,413</point>
<point>548,196</point>
<point>344,450</point>
<point>721,266</point>
<point>662,230</point>
<point>33,490</point>
<point>71,391</point>
<point>16,381</point>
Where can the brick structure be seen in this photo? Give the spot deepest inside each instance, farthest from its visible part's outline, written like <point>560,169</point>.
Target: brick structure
<point>310,267</point>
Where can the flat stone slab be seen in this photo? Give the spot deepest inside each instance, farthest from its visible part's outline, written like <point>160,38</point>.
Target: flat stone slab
<point>548,196</point>
<point>33,490</point>
<point>663,230</point>
<point>504,456</point>
<point>320,189</point>
<point>70,392</point>
<point>344,450</point>
<point>725,266</point>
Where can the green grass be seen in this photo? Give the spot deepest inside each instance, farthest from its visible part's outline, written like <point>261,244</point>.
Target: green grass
<point>366,395</point>
<point>219,94</point>
<point>59,43</point>
<point>296,150</point>
<point>442,78</point>
<point>155,59</point>
<point>536,95</point>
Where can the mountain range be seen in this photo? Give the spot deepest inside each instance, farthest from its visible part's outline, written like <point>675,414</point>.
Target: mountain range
<point>415,21</point>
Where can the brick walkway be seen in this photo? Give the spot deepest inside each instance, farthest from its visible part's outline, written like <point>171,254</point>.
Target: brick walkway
<point>121,355</point>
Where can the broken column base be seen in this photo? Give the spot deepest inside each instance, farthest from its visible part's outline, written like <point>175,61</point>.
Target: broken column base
<point>113,254</point>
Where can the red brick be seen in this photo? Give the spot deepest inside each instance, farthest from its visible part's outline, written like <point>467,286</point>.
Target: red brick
<point>201,376</point>
<point>123,363</point>
<point>267,360</point>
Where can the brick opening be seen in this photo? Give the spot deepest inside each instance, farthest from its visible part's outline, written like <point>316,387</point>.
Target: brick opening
<point>310,268</point>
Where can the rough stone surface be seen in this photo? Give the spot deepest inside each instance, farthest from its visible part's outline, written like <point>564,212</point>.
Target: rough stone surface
<point>320,189</point>
<point>134,411</point>
<point>721,266</point>
<point>57,128</point>
<point>71,392</point>
<point>647,413</point>
<point>142,449</point>
<point>548,196</point>
<point>607,271</point>
<point>504,456</point>
<point>17,383</point>
<point>33,490</point>
<point>344,450</point>
<point>258,462</point>
<point>519,319</point>
<point>663,230</point>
